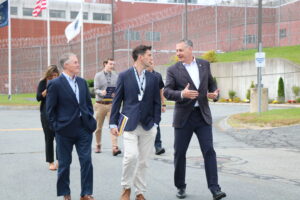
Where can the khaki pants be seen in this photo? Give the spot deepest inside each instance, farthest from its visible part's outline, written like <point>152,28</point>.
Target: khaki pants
<point>102,111</point>
<point>138,145</point>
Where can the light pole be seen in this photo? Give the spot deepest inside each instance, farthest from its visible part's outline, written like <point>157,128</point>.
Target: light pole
<point>259,48</point>
<point>112,31</point>
<point>186,20</point>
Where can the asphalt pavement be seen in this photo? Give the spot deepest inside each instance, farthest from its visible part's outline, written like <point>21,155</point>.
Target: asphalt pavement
<point>253,164</point>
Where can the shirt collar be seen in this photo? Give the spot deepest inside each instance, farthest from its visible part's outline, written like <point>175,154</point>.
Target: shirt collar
<point>69,78</point>
<point>193,62</point>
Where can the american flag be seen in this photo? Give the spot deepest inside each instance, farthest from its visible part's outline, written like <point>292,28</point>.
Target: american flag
<point>39,6</point>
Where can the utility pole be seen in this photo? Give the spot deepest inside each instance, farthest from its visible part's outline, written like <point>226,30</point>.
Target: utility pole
<point>259,48</point>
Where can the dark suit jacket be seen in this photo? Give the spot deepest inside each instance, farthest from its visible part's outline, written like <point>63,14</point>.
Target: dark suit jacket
<point>62,106</point>
<point>39,97</point>
<point>147,111</point>
<point>177,79</point>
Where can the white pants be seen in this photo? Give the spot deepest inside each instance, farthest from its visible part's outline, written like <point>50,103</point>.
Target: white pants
<point>138,145</point>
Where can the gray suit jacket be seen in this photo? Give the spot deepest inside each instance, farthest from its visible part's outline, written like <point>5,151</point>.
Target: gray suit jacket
<point>100,83</point>
<point>176,81</point>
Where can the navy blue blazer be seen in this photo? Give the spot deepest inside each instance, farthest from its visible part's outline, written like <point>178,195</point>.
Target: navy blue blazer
<point>62,106</point>
<point>147,112</point>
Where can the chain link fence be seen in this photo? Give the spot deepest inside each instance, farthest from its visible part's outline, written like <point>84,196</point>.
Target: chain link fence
<point>220,27</point>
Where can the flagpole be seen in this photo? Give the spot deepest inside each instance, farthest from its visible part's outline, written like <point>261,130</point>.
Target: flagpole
<point>82,56</point>
<point>48,34</point>
<point>9,50</point>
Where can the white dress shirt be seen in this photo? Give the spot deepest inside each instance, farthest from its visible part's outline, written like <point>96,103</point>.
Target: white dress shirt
<point>193,71</point>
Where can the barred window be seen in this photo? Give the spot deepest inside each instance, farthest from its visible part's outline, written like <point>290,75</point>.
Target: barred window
<point>250,39</point>
<point>153,36</point>
<point>28,12</point>
<point>282,33</point>
<point>101,16</point>
<point>132,35</point>
<point>14,10</point>
<point>58,14</point>
<point>74,14</point>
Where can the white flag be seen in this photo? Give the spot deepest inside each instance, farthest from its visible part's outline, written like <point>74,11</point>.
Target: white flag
<point>73,29</point>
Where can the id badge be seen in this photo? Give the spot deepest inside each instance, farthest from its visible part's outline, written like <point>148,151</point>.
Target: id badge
<point>140,97</point>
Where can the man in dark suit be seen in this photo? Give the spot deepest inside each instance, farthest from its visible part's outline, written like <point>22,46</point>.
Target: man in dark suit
<point>70,112</point>
<point>189,82</point>
<point>138,91</point>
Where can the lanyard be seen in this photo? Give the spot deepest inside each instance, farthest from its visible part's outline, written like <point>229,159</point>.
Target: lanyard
<point>140,83</point>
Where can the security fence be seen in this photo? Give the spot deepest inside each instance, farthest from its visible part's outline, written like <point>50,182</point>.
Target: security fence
<point>219,27</point>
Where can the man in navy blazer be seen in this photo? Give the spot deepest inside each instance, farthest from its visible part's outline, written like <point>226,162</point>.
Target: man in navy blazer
<point>70,112</point>
<point>189,83</point>
<point>138,92</point>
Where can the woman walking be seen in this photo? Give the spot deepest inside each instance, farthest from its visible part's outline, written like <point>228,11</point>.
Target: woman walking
<point>41,95</point>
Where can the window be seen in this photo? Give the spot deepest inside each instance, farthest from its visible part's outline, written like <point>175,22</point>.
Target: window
<point>13,10</point>
<point>282,33</point>
<point>153,36</point>
<point>250,39</point>
<point>28,12</point>
<point>101,16</point>
<point>182,1</point>
<point>58,14</point>
<point>132,35</point>
<point>74,14</point>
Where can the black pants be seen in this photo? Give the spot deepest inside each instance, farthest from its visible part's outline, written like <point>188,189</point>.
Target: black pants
<point>49,139</point>
<point>195,124</point>
<point>157,143</point>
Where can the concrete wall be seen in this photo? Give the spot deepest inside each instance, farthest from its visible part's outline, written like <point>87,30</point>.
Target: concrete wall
<point>237,76</point>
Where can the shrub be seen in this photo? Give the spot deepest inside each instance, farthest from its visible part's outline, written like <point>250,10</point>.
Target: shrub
<point>280,91</point>
<point>249,91</point>
<point>90,83</point>
<point>236,99</point>
<point>210,56</point>
<point>231,94</point>
<point>298,100</point>
<point>222,100</point>
<point>296,90</point>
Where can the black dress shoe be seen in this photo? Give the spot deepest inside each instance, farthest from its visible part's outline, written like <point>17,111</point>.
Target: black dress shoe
<point>218,195</point>
<point>181,193</point>
<point>160,151</point>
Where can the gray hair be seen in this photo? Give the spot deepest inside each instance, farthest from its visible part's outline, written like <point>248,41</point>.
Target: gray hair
<point>65,58</point>
<point>188,43</point>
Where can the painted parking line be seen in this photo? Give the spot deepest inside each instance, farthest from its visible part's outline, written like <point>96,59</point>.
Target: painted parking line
<point>20,129</point>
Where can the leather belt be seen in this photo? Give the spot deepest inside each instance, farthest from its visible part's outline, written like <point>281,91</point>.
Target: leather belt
<point>104,102</point>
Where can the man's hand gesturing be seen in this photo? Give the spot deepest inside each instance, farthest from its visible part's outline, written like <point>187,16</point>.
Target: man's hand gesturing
<point>189,94</point>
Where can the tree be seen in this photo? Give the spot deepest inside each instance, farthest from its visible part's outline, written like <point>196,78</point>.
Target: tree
<point>280,91</point>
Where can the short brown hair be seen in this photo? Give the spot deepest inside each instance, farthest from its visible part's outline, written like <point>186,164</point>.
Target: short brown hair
<point>140,50</point>
<point>106,61</point>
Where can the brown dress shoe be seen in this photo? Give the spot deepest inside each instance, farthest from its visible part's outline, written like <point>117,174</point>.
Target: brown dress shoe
<point>125,194</point>
<point>67,197</point>
<point>98,149</point>
<point>140,197</point>
<point>116,151</point>
<point>87,197</point>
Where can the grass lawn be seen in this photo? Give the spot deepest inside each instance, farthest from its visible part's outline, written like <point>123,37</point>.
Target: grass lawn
<point>19,100</point>
<point>289,52</point>
<point>271,118</point>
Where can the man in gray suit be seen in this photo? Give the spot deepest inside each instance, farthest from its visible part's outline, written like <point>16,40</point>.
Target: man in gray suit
<point>105,81</point>
<point>189,83</point>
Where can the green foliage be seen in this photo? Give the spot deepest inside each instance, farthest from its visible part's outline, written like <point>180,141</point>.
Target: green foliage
<point>280,91</point>
<point>231,94</point>
<point>210,56</point>
<point>249,91</point>
<point>236,99</point>
<point>296,90</point>
<point>90,83</point>
<point>222,100</point>
<point>298,100</point>
<point>288,52</point>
